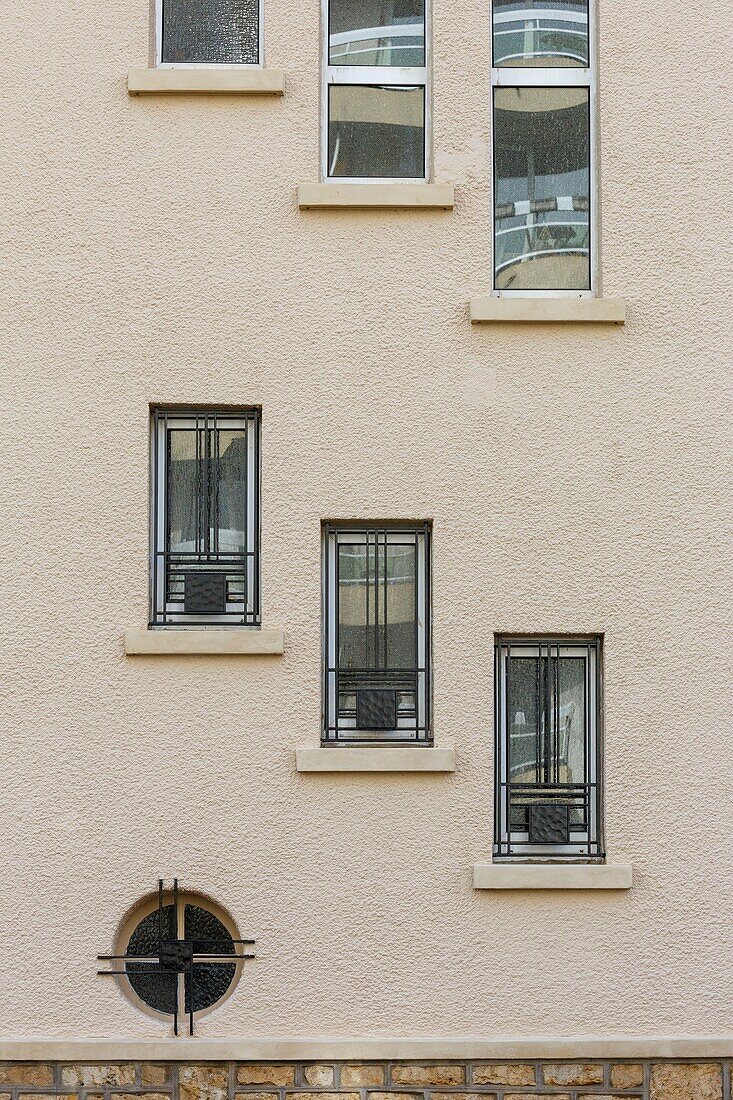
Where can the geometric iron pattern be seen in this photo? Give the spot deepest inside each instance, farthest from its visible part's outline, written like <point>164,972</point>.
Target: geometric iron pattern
<point>160,965</point>
<point>205,593</point>
<point>549,823</point>
<point>376,709</point>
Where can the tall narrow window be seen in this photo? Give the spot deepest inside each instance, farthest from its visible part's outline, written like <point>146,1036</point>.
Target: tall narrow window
<point>375,93</point>
<point>543,131</point>
<point>547,764</point>
<point>209,32</point>
<point>377,634</point>
<point>205,517</point>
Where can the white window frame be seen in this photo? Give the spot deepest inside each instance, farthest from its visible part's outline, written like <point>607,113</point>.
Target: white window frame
<point>418,535</point>
<point>158,46</point>
<point>384,76</point>
<point>507,76</point>
<point>504,835</point>
<point>160,605</point>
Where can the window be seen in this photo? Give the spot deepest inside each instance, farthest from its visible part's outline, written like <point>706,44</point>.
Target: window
<point>172,955</point>
<point>375,92</point>
<point>547,714</point>
<point>543,131</point>
<point>209,32</point>
<point>205,517</point>
<point>377,634</point>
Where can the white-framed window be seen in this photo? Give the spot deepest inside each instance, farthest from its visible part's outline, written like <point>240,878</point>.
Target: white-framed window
<point>548,748</point>
<point>205,517</point>
<point>375,90</point>
<point>544,159</point>
<point>202,33</point>
<point>376,622</point>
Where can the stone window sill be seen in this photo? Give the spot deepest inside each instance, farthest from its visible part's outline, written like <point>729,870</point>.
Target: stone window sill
<point>377,196</point>
<point>552,876</point>
<point>244,80</point>
<point>197,643</point>
<point>376,758</point>
<point>492,310</point>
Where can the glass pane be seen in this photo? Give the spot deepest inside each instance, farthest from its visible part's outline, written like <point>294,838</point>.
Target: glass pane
<point>377,626</point>
<point>546,720</point>
<point>551,33</point>
<point>400,626</point>
<point>184,490</point>
<point>522,699</point>
<point>155,989</point>
<point>230,520</point>
<point>571,711</point>
<point>542,188</point>
<point>376,132</point>
<point>224,32</point>
<point>355,581</point>
<point>377,32</point>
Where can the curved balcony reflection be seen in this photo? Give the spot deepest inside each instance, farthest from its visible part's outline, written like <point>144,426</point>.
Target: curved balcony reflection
<point>540,33</point>
<point>538,242</point>
<point>542,188</point>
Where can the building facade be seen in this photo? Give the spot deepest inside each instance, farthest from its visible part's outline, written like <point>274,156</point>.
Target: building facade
<point>368,551</point>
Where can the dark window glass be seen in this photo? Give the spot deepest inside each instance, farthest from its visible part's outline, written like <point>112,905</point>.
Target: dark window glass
<point>376,131</point>
<point>548,33</point>
<point>542,188</point>
<point>377,32</point>
<point>224,32</point>
<point>206,933</point>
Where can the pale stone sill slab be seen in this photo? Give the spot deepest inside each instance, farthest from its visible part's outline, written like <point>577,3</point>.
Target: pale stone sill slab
<point>492,310</point>
<point>237,81</point>
<point>375,758</point>
<point>554,876</point>
<point>323,1048</point>
<point>377,196</point>
<point>195,643</point>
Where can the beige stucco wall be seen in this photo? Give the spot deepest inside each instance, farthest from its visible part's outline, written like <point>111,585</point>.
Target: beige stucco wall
<point>579,479</point>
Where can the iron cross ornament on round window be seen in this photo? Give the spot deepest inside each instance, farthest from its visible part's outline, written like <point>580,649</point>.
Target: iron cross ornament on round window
<point>180,958</point>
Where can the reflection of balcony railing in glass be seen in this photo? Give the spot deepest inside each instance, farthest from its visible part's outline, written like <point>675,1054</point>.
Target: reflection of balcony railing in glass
<point>545,34</point>
<point>534,231</point>
<point>389,46</point>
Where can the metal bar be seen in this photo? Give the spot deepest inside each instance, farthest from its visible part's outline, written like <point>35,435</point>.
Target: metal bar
<point>160,917</point>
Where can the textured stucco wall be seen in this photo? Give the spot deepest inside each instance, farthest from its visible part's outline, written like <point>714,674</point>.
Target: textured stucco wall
<point>579,479</point>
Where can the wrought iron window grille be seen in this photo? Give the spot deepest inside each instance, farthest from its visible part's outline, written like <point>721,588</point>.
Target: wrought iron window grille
<point>205,518</point>
<point>377,637</point>
<point>548,792</point>
<point>178,974</point>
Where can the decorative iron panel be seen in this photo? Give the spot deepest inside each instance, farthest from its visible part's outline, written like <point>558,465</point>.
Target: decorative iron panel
<point>205,562</point>
<point>547,748</point>
<point>377,634</point>
<point>179,957</point>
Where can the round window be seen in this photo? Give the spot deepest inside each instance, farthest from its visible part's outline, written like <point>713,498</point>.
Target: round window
<point>183,938</point>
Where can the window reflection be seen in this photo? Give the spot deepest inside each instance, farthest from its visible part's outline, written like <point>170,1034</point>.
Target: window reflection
<point>377,32</point>
<point>376,131</point>
<point>550,33</point>
<point>542,187</point>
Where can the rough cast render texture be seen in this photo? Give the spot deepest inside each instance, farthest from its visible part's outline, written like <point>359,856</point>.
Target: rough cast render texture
<point>579,479</point>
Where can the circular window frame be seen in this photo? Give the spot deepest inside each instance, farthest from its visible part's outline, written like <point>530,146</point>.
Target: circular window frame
<point>149,905</point>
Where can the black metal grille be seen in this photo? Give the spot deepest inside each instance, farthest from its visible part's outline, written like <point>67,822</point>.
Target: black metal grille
<point>167,970</point>
<point>547,748</point>
<point>377,634</point>
<point>205,517</point>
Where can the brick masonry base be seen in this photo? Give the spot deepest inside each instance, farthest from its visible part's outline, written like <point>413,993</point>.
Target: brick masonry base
<point>374,1080</point>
